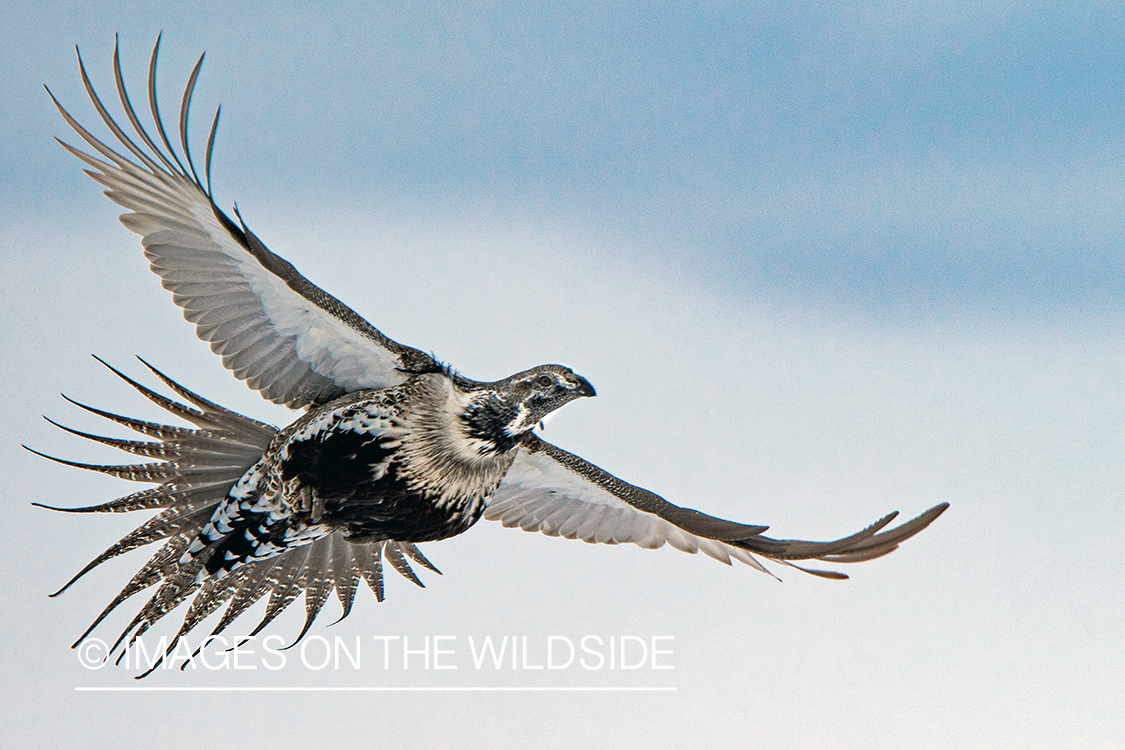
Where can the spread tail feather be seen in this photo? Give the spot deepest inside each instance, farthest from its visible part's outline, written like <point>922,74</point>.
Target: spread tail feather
<point>195,468</point>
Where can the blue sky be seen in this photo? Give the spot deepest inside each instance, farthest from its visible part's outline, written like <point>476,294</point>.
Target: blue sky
<point>877,247</point>
<point>901,158</point>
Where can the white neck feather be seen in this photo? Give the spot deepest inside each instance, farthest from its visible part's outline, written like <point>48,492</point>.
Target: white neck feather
<point>438,457</point>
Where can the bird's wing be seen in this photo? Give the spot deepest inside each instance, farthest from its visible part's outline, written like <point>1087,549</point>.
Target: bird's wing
<point>550,490</point>
<point>273,328</point>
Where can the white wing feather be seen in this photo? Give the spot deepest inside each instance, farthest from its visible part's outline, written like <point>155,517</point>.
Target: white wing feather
<point>540,494</point>
<point>559,494</point>
<point>284,336</point>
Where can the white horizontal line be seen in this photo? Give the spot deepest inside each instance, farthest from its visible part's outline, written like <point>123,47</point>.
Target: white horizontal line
<point>388,689</point>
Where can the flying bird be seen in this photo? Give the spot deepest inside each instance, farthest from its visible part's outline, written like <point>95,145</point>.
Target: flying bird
<point>393,447</point>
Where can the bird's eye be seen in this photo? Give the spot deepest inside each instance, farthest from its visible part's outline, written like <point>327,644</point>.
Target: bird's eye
<point>544,380</point>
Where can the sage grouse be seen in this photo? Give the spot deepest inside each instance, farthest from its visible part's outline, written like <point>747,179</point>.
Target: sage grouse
<point>393,448</point>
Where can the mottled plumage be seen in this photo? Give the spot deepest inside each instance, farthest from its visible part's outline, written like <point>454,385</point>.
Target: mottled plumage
<point>393,448</point>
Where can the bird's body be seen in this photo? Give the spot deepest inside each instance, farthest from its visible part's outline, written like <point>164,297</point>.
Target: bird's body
<point>407,463</point>
<point>393,448</point>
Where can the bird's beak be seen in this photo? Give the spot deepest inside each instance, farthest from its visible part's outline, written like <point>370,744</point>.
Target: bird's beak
<point>584,388</point>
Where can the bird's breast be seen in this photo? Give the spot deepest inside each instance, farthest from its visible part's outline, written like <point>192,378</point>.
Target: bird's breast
<point>403,474</point>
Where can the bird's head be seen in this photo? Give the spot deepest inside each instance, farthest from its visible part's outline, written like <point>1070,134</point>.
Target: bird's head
<point>506,410</point>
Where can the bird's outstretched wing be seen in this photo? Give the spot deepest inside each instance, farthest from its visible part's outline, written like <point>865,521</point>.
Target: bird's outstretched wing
<point>273,328</point>
<point>194,469</point>
<point>550,490</point>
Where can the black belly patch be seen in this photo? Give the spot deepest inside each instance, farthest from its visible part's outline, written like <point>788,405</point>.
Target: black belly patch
<point>340,469</point>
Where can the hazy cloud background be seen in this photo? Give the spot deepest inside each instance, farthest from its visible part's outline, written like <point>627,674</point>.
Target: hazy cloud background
<point>874,246</point>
